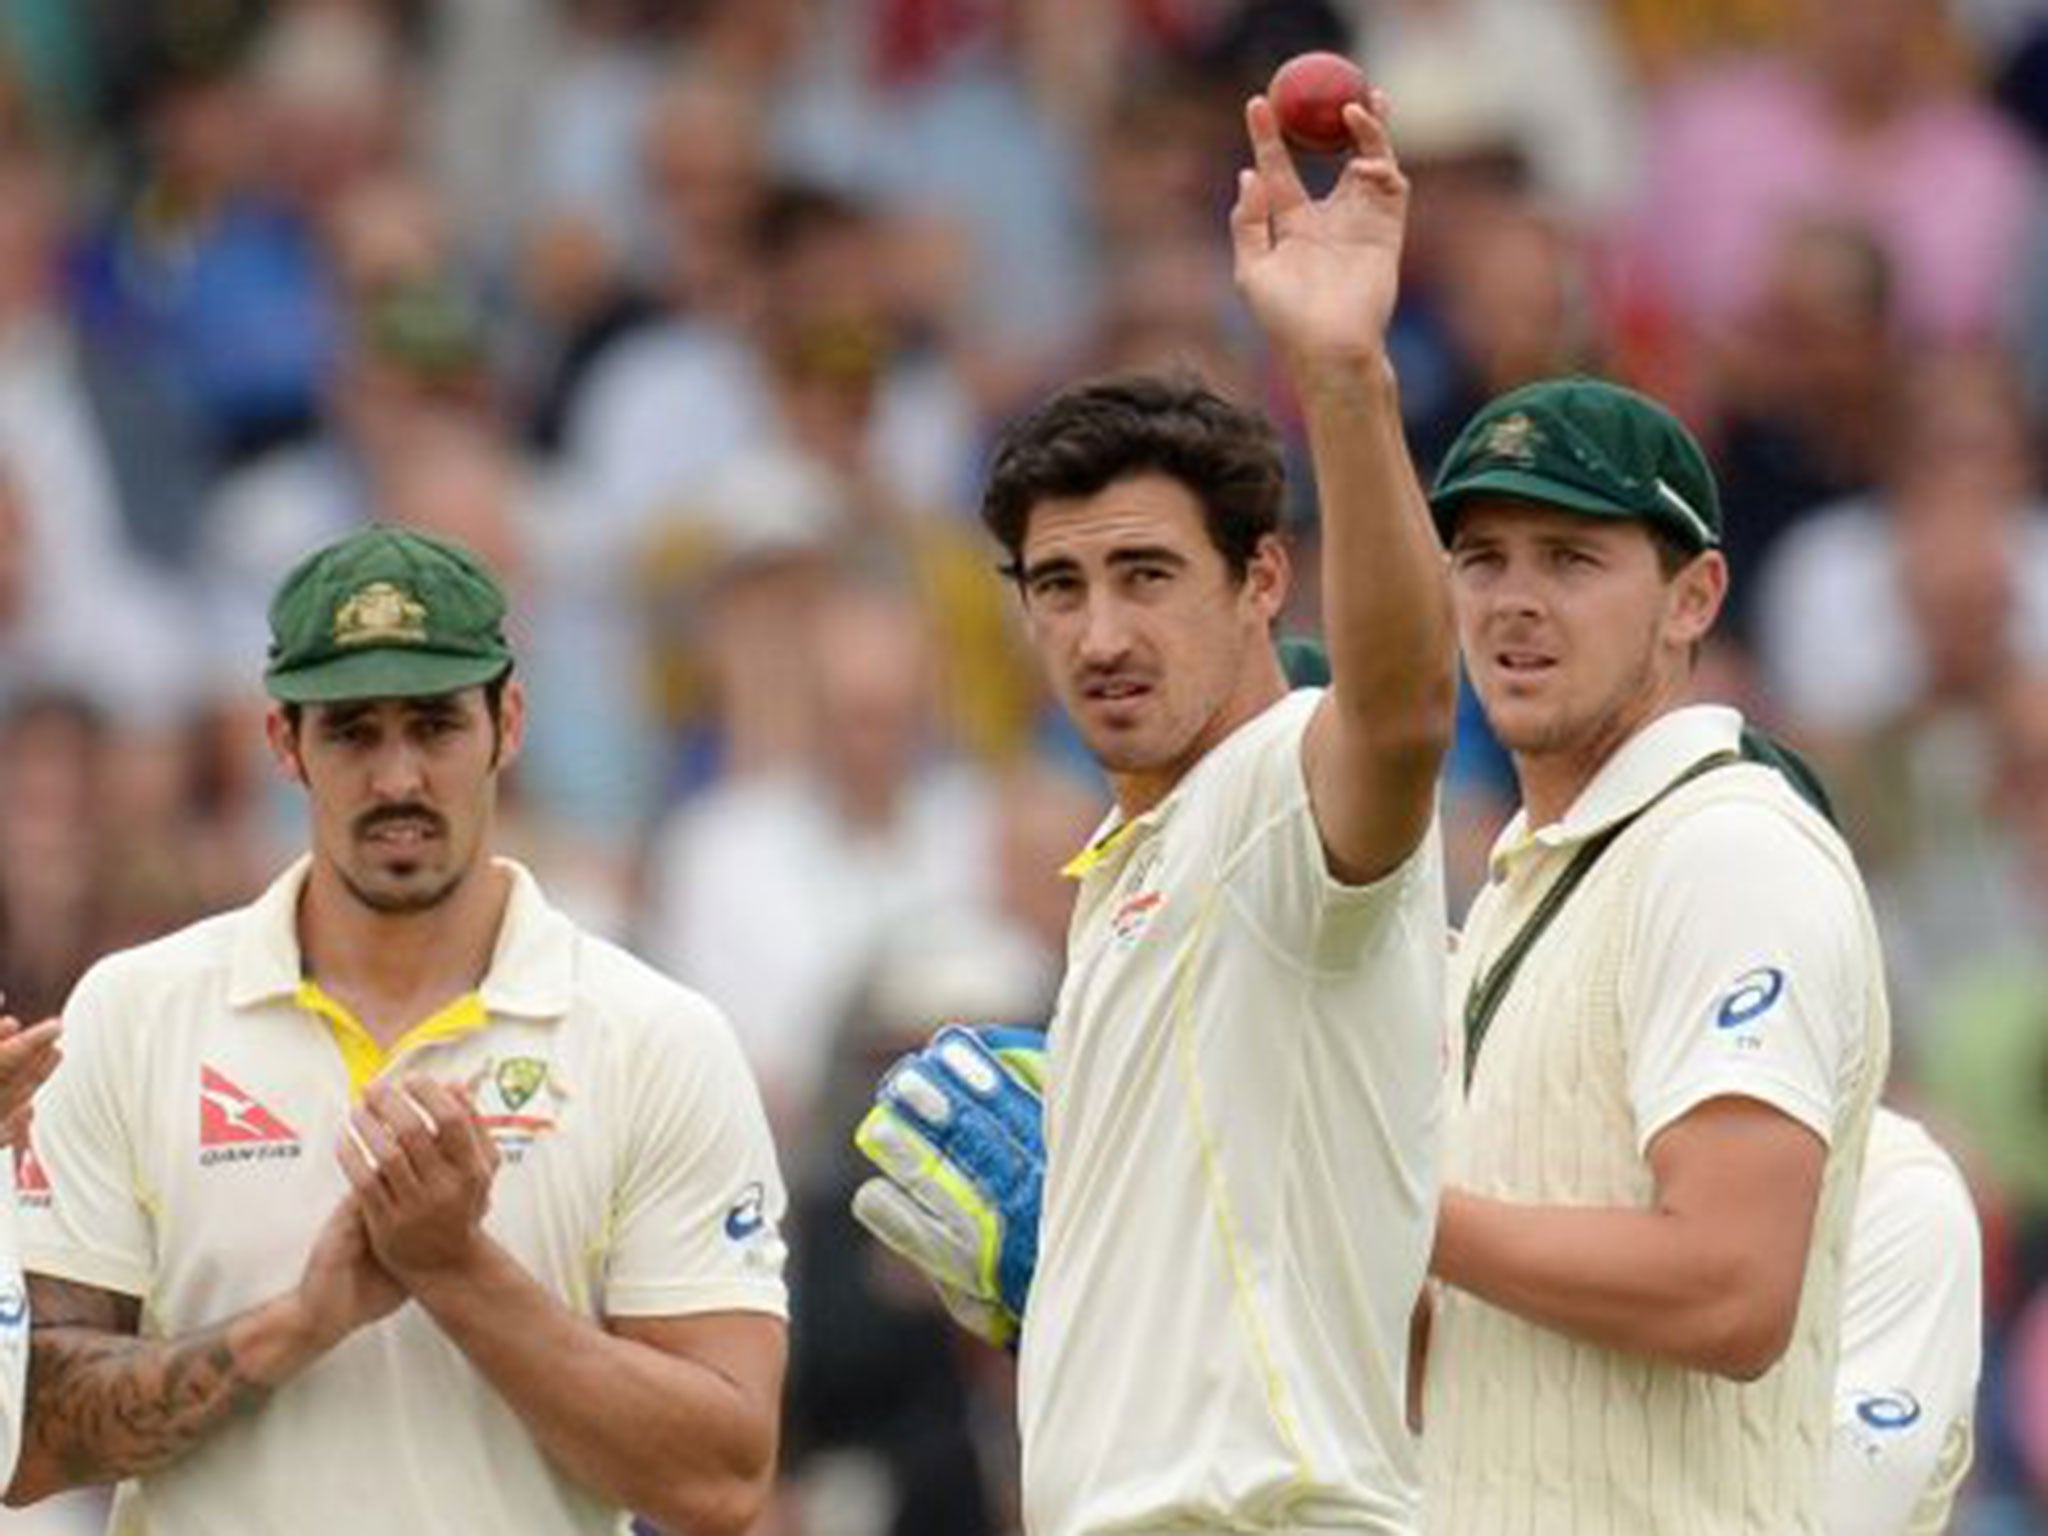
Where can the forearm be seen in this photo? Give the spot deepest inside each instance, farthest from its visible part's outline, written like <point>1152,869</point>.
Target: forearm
<point>664,1436</point>
<point>105,1406</point>
<point>1642,1281</point>
<point>1386,601</point>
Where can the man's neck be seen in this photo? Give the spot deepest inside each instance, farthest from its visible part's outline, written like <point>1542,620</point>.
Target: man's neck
<point>391,970</point>
<point>1551,782</point>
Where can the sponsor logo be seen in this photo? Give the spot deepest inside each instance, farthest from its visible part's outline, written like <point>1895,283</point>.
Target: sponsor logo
<point>1753,995</point>
<point>31,1178</point>
<point>1134,915</point>
<point>1888,1412</point>
<point>748,1214</point>
<point>235,1128</point>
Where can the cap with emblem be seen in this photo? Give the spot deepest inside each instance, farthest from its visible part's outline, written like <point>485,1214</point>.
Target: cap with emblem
<point>385,613</point>
<point>1587,446</point>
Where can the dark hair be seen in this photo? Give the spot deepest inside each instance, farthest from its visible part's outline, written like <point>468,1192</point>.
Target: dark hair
<point>1095,433</point>
<point>793,213</point>
<point>1673,553</point>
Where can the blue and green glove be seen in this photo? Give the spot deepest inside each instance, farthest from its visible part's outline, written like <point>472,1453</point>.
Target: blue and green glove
<point>958,1132</point>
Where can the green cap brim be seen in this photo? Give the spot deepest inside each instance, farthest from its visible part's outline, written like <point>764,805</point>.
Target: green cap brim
<point>1445,500</point>
<point>385,673</point>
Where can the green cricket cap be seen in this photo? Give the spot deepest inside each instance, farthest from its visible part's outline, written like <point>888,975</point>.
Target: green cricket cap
<point>1584,445</point>
<point>385,613</point>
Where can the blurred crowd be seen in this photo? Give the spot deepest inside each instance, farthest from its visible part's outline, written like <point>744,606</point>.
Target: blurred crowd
<point>696,317</point>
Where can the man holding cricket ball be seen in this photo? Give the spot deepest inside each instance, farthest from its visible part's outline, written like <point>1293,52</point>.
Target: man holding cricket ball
<point>1670,1033</point>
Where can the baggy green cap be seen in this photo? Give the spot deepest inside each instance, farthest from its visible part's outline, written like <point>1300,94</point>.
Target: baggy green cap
<point>385,613</point>
<point>1587,446</point>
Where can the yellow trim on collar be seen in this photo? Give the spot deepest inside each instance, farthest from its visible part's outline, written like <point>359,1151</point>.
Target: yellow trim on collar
<point>1089,858</point>
<point>364,1057</point>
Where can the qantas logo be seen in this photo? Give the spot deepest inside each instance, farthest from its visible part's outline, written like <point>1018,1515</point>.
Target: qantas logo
<point>31,1179</point>
<point>234,1128</point>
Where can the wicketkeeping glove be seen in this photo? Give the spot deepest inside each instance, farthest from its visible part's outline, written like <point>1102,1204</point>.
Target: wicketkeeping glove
<point>958,1132</point>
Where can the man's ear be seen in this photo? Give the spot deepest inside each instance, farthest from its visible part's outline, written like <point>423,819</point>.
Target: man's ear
<point>1697,593</point>
<point>1268,576</point>
<point>511,722</point>
<point>283,737</point>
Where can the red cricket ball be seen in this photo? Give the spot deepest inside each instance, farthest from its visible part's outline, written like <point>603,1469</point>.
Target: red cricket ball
<point>1308,93</point>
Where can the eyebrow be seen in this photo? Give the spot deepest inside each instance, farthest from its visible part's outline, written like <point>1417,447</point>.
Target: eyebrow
<point>1141,554</point>
<point>335,716</point>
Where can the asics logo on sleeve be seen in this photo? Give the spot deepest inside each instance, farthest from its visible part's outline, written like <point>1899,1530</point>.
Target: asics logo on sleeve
<point>1752,995</point>
<point>747,1215</point>
<point>1888,1410</point>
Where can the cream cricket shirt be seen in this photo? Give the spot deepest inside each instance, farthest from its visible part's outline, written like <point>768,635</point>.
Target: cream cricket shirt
<point>13,1323</point>
<point>1241,1130</point>
<point>1721,946</point>
<point>185,1154</point>
<point>1912,1340</point>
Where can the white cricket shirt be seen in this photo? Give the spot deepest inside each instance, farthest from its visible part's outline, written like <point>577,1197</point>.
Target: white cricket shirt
<point>13,1323</point>
<point>1912,1340</point>
<point>185,1155</point>
<point>1241,1130</point>
<point>1721,946</point>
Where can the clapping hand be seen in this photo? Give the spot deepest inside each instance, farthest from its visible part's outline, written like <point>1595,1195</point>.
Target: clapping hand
<point>421,1165</point>
<point>28,1055</point>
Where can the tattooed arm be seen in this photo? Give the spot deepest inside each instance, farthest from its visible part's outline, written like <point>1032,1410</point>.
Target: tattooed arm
<point>104,1404</point>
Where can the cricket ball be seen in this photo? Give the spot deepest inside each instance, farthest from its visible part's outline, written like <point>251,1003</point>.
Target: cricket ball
<point>1309,93</point>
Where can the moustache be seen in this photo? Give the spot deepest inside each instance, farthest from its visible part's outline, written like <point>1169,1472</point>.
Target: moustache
<point>370,821</point>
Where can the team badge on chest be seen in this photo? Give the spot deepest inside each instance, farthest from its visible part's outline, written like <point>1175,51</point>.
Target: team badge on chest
<point>516,1100</point>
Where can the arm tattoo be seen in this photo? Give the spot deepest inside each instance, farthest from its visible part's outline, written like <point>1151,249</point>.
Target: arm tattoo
<point>105,1405</point>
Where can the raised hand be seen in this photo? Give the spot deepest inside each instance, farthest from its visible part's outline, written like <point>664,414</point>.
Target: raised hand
<point>422,1166</point>
<point>1321,274</point>
<point>28,1055</point>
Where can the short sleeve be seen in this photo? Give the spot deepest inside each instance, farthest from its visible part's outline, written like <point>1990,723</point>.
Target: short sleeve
<point>82,1215</point>
<point>700,1202</point>
<point>1271,856</point>
<point>1746,972</point>
<point>1911,1341</point>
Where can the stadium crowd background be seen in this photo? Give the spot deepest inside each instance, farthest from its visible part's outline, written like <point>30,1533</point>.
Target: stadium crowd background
<point>697,318</point>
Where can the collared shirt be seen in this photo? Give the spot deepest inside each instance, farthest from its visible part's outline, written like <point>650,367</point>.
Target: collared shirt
<point>184,1153</point>
<point>13,1324</point>
<point>1241,1130</point>
<point>1723,946</point>
<point>1729,895</point>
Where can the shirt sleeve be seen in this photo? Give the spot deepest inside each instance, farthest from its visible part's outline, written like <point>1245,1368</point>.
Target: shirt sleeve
<point>1278,874</point>
<point>1911,1345</point>
<point>1746,973</point>
<point>82,1218</point>
<point>699,1208</point>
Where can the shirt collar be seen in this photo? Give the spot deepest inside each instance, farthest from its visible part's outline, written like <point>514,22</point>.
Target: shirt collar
<point>1116,835</point>
<point>1629,780</point>
<point>531,974</point>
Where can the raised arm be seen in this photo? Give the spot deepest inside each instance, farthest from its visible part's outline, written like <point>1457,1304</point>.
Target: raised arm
<point>1321,274</point>
<point>104,1404</point>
